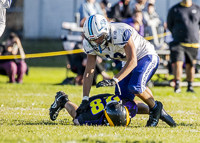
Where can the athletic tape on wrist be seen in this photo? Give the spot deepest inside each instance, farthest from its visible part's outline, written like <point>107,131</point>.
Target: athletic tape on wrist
<point>115,79</point>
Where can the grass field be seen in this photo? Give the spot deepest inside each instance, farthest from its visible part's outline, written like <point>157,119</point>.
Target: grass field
<point>24,114</point>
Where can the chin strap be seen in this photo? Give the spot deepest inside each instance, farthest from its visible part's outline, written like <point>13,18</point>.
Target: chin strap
<point>100,50</point>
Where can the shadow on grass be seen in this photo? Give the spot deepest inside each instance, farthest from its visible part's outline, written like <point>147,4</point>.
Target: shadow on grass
<point>99,141</point>
<point>188,124</point>
<point>36,122</point>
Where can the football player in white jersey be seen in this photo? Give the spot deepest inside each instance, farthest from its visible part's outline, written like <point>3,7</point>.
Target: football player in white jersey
<point>121,41</point>
<point>3,5</point>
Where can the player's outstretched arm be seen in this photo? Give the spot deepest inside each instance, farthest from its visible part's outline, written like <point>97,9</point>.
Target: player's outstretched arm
<point>89,74</point>
<point>87,83</point>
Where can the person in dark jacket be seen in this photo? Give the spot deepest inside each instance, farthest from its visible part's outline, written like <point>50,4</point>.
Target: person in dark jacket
<point>121,10</point>
<point>183,21</point>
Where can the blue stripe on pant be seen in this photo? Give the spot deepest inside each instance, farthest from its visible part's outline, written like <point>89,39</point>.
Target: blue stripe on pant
<point>135,82</point>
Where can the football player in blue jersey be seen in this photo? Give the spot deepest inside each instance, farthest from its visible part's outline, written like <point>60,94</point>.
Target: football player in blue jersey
<point>103,109</point>
<point>121,42</point>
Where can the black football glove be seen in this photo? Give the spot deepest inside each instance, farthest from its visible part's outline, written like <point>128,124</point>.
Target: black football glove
<point>110,82</point>
<point>83,107</point>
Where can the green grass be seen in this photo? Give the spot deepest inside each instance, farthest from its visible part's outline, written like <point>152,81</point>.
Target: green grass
<point>24,113</point>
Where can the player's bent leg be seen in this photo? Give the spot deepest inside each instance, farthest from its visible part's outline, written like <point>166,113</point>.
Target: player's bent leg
<point>60,99</point>
<point>137,85</point>
<point>155,108</point>
<point>71,108</point>
<point>142,108</point>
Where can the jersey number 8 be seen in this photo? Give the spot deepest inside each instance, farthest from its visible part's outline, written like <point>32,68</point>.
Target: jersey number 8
<point>97,105</point>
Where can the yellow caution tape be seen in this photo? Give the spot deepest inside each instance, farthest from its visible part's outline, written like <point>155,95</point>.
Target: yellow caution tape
<point>59,53</point>
<point>38,55</point>
<point>159,36</point>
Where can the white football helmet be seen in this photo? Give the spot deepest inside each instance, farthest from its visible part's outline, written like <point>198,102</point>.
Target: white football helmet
<point>96,26</point>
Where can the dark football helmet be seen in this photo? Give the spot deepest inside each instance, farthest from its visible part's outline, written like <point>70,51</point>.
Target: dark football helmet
<point>116,114</point>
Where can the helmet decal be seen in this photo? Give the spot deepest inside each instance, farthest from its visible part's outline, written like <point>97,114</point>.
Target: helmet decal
<point>103,24</point>
<point>90,25</point>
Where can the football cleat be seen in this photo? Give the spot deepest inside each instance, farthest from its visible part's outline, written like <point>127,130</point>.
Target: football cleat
<point>177,90</point>
<point>190,89</point>
<point>167,118</point>
<point>154,115</point>
<point>60,99</point>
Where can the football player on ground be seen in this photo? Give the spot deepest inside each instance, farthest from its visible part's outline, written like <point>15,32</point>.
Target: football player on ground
<point>121,42</point>
<point>104,109</point>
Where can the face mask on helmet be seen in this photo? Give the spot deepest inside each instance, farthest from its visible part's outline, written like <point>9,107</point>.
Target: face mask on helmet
<point>96,30</point>
<point>116,114</point>
<point>98,44</point>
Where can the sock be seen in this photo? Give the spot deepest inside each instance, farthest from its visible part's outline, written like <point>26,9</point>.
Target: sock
<point>177,82</point>
<point>189,84</point>
<point>154,106</point>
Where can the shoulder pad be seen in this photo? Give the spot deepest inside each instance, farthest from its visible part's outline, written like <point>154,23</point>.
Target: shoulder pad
<point>121,33</point>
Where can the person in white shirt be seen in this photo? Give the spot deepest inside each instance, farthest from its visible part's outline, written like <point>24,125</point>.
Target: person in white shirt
<point>4,4</point>
<point>140,61</point>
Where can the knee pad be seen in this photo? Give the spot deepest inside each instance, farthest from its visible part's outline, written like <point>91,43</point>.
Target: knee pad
<point>135,89</point>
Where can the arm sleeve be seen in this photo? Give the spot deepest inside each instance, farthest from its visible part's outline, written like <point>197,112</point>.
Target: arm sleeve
<point>170,22</point>
<point>2,21</point>
<point>2,28</point>
<point>6,3</point>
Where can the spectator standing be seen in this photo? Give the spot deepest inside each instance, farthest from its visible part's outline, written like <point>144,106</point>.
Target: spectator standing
<point>88,8</point>
<point>121,10</point>
<point>4,4</point>
<point>183,21</point>
<point>136,22</point>
<point>17,66</point>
